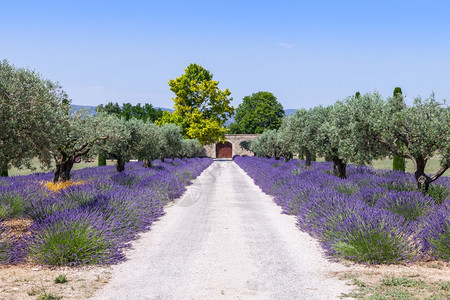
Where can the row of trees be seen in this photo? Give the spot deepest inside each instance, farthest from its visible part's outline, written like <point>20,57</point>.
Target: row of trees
<point>145,112</point>
<point>36,121</point>
<point>363,128</point>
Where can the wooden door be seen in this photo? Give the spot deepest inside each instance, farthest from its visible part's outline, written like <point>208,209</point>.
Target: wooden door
<point>224,150</point>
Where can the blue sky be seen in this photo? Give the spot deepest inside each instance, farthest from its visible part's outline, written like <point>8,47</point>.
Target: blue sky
<point>306,53</point>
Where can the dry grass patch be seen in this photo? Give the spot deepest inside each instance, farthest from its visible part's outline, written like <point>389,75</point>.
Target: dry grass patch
<point>423,280</point>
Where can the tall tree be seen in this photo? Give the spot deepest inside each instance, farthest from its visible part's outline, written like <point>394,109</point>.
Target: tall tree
<point>256,113</point>
<point>398,162</point>
<point>201,108</point>
<point>31,108</point>
<point>300,131</point>
<point>418,132</point>
<point>77,134</point>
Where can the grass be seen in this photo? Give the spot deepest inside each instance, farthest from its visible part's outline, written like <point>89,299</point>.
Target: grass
<point>391,287</point>
<point>386,164</point>
<point>61,279</point>
<point>35,163</point>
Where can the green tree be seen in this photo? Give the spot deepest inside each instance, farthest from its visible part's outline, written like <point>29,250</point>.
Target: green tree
<point>190,148</point>
<point>418,132</point>
<point>256,113</point>
<point>398,162</point>
<point>128,111</point>
<point>109,108</point>
<point>77,134</point>
<point>123,138</point>
<point>347,133</point>
<point>31,108</point>
<point>170,141</point>
<point>271,144</point>
<point>148,148</point>
<point>300,131</point>
<point>201,108</point>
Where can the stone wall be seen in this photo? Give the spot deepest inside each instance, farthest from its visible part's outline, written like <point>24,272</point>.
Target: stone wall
<point>235,140</point>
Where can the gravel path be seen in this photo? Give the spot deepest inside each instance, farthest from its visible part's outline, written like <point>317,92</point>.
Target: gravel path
<point>224,239</point>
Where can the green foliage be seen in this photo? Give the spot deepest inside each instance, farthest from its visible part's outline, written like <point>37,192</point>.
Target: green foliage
<point>69,243</point>
<point>170,141</point>
<point>271,144</point>
<point>31,108</point>
<point>61,279</point>
<point>101,159</point>
<point>190,148</point>
<point>301,130</point>
<point>49,297</point>
<point>256,113</point>
<point>418,132</point>
<point>147,148</point>
<point>11,205</point>
<point>201,108</point>
<point>146,113</point>
<point>78,133</point>
<point>439,193</point>
<point>399,163</point>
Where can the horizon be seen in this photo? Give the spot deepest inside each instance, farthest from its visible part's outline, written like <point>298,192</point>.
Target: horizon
<point>306,54</point>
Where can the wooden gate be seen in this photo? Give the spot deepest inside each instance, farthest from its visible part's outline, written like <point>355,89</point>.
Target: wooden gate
<point>224,150</point>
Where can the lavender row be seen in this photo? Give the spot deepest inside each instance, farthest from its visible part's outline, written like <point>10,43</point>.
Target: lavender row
<point>373,216</point>
<point>92,222</point>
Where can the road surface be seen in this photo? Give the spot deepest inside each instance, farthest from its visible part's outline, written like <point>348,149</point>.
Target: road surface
<point>224,239</point>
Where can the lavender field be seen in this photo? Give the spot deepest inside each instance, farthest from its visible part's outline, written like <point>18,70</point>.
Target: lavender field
<point>373,216</point>
<point>92,220</point>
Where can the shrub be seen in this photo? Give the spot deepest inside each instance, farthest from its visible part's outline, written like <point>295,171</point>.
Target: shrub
<point>73,237</point>
<point>436,234</point>
<point>410,205</point>
<point>373,236</point>
<point>439,193</point>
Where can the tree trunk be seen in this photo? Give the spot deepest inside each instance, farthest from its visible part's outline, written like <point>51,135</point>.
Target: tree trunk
<point>62,172</point>
<point>147,163</point>
<point>308,159</point>
<point>422,179</point>
<point>120,164</point>
<point>339,168</point>
<point>3,169</point>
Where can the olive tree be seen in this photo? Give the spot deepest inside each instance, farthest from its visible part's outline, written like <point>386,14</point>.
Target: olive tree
<point>348,134</point>
<point>148,148</point>
<point>418,132</point>
<point>170,141</point>
<point>271,144</point>
<point>77,133</point>
<point>300,131</point>
<point>31,108</point>
<point>190,148</point>
<point>123,138</point>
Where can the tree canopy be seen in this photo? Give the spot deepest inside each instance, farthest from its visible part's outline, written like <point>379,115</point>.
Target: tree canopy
<point>256,113</point>
<point>30,107</point>
<point>201,108</point>
<point>145,112</point>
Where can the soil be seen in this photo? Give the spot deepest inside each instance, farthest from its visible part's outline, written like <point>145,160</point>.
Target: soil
<point>30,281</point>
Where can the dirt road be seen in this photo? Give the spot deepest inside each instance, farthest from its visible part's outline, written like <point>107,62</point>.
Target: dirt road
<point>225,239</point>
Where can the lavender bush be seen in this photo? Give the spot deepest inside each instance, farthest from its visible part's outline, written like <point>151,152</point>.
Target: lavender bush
<point>92,222</point>
<point>372,216</point>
